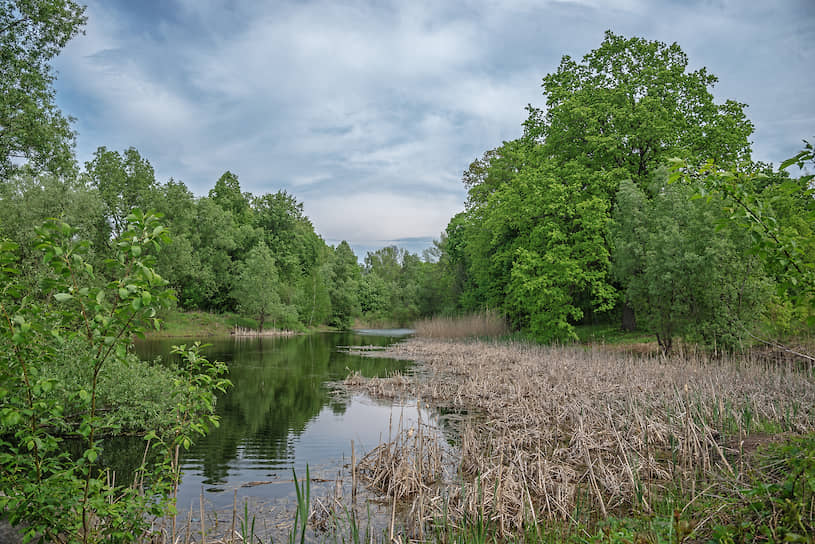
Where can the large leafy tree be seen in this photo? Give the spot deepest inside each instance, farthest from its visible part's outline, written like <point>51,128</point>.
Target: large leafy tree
<point>256,286</point>
<point>630,105</point>
<point>32,128</point>
<point>533,239</point>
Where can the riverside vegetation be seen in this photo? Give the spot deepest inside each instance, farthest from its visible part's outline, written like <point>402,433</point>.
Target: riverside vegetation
<point>631,198</point>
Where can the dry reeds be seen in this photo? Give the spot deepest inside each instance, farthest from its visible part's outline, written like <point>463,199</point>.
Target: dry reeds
<point>487,323</point>
<point>561,426</point>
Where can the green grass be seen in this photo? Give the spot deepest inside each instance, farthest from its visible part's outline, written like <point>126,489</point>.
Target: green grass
<point>196,324</point>
<point>611,333</point>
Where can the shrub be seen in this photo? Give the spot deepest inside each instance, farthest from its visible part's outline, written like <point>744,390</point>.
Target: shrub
<point>60,342</point>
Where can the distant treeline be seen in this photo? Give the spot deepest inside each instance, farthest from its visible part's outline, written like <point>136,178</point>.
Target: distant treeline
<point>631,196</point>
<point>230,251</point>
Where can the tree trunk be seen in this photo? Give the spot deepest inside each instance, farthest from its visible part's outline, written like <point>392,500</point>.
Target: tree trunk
<point>665,343</point>
<point>629,322</point>
<point>261,321</point>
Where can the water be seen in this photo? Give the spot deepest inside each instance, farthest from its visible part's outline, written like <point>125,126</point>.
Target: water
<point>281,414</point>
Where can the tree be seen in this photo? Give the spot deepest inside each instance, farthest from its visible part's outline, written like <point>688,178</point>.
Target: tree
<point>124,181</point>
<point>630,105</point>
<point>27,200</point>
<point>32,32</point>
<point>227,194</point>
<point>685,272</point>
<point>345,285</point>
<point>288,233</point>
<point>257,284</point>
<point>57,495</point>
<point>533,240</point>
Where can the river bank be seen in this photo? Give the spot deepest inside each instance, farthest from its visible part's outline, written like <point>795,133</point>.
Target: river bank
<point>196,324</point>
<point>582,437</point>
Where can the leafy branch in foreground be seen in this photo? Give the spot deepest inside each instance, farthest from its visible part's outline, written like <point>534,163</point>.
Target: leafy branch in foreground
<point>60,496</point>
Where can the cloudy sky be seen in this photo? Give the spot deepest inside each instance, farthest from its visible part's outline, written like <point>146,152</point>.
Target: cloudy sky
<point>369,111</point>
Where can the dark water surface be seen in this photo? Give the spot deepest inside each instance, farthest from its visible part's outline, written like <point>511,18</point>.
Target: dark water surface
<point>281,414</point>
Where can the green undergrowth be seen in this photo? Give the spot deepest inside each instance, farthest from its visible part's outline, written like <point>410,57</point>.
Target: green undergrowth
<point>133,396</point>
<point>196,324</point>
<point>611,333</point>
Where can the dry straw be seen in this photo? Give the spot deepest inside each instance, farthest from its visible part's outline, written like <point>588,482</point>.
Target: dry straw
<point>487,323</point>
<point>559,426</point>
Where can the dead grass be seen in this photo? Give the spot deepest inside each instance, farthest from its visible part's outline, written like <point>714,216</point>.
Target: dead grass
<point>562,425</point>
<point>484,324</point>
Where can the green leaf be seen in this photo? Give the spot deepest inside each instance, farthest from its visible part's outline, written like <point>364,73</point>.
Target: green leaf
<point>62,297</point>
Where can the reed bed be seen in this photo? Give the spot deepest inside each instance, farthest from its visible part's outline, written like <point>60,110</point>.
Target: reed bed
<point>569,432</point>
<point>484,324</point>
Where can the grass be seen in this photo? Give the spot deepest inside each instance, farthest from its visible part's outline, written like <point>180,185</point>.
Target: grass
<point>196,324</point>
<point>772,501</point>
<point>611,333</point>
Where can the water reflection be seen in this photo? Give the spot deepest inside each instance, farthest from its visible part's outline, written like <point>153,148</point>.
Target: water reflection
<point>280,414</point>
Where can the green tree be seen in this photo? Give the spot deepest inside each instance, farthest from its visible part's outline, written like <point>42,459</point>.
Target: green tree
<point>124,181</point>
<point>256,286</point>
<point>533,239</point>
<point>288,233</point>
<point>33,32</point>
<point>345,285</point>
<point>58,496</point>
<point>227,194</point>
<point>630,105</point>
<point>685,272</point>
<point>27,200</point>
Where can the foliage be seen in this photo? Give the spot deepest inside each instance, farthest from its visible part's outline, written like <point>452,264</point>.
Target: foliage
<point>631,104</point>
<point>256,286</point>
<point>42,484</point>
<point>776,506</point>
<point>534,239</point>
<point>124,181</point>
<point>132,394</point>
<point>345,287</point>
<point>31,126</point>
<point>682,274</point>
<point>776,211</point>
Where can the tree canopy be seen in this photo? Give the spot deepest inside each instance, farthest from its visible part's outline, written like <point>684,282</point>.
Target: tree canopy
<point>32,128</point>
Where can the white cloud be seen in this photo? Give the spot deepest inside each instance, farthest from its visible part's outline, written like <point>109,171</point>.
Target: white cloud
<point>369,112</point>
<point>371,217</point>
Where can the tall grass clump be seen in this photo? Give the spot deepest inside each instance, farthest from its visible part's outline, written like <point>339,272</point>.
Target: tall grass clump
<point>483,324</point>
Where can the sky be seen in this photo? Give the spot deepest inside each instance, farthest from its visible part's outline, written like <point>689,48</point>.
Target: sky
<point>368,112</point>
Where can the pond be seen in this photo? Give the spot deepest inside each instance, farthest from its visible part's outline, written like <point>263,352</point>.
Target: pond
<point>281,414</point>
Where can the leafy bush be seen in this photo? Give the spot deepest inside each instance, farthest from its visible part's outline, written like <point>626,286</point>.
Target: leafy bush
<point>63,355</point>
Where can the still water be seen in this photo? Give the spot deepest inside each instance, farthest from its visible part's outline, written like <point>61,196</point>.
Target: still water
<point>282,413</point>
